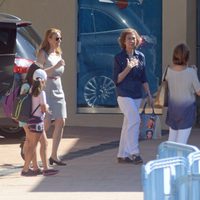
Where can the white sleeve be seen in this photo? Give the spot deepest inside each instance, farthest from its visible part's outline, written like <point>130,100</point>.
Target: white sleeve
<point>43,98</point>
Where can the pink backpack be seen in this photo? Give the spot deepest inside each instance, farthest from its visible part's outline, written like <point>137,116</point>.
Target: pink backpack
<point>9,100</point>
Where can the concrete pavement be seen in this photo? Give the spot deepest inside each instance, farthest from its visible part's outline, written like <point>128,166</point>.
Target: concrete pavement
<point>92,172</point>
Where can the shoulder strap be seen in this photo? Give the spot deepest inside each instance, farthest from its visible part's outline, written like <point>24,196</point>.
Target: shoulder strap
<point>36,107</point>
<point>144,107</point>
<point>165,73</point>
<point>35,110</point>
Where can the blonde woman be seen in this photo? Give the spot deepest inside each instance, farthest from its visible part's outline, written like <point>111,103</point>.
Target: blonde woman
<point>50,56</point>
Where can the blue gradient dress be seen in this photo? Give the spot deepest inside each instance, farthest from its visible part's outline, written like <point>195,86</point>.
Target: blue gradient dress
<point>183,86</point>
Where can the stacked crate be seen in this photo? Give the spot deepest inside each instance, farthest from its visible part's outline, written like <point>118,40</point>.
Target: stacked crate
<point>174,175</point>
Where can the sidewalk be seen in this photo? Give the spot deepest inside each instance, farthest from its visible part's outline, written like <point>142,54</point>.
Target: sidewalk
<point>92,172</point>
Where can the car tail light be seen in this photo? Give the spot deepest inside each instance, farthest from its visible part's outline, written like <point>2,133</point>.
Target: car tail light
<point>21,65</point>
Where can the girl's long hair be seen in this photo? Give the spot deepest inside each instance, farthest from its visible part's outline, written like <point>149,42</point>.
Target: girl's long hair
<point>37,87</point>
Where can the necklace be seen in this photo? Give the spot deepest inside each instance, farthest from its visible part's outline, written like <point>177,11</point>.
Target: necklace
<point>130,55</point>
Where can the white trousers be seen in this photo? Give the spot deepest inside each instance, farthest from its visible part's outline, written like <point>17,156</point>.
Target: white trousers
<point>129,143</point>
<point>180,136</point>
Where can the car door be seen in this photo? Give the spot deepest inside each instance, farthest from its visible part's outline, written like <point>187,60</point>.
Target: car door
<point>7,56</point>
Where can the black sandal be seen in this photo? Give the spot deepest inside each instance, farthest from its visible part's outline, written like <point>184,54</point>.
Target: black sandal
<point>124,160</point>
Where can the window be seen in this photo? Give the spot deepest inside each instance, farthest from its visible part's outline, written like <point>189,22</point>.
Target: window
<point>7,41</point>
<point>104,22</point>
<point>26,37</point>
<point>99,26</point>
<point>86,26</point>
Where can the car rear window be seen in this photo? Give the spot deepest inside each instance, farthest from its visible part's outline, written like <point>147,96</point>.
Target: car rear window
<point>7,37</point>
<point>27,42</point>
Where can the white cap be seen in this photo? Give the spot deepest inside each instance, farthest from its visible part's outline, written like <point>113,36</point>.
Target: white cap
<point>40,74</point>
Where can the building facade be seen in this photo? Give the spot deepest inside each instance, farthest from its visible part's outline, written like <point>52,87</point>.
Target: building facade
<point>178,21</point>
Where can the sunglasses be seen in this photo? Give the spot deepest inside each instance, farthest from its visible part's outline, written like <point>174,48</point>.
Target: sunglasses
<point>58,38</point>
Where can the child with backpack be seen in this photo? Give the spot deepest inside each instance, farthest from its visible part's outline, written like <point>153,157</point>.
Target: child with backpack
<point>24,144</point>
<point>35,124</point>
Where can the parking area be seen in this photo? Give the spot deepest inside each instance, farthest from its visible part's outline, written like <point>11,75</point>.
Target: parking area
<point>92,171</point>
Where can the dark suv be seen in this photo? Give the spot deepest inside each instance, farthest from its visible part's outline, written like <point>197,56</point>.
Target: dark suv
<point>18,43</point>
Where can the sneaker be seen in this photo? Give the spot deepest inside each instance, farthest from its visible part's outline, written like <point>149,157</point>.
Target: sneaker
<point>124,160</point>
<point>38,171</point>
<point>28,173</point>
<point>137,159</point>
<point>50,172</point>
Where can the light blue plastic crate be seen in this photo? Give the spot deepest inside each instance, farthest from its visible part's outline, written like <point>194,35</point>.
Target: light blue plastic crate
<point>187,188</point>
<point>194,163</point>
<point>159,176</point>
<point>170,149</point>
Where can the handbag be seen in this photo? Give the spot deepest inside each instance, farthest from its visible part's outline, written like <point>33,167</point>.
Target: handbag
<point>150,126</point>
<point>161,99</point>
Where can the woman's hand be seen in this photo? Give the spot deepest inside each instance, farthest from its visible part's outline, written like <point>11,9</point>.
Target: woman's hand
<point>131,63</point>
<point>45,108</point>
<point>60,63</point>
